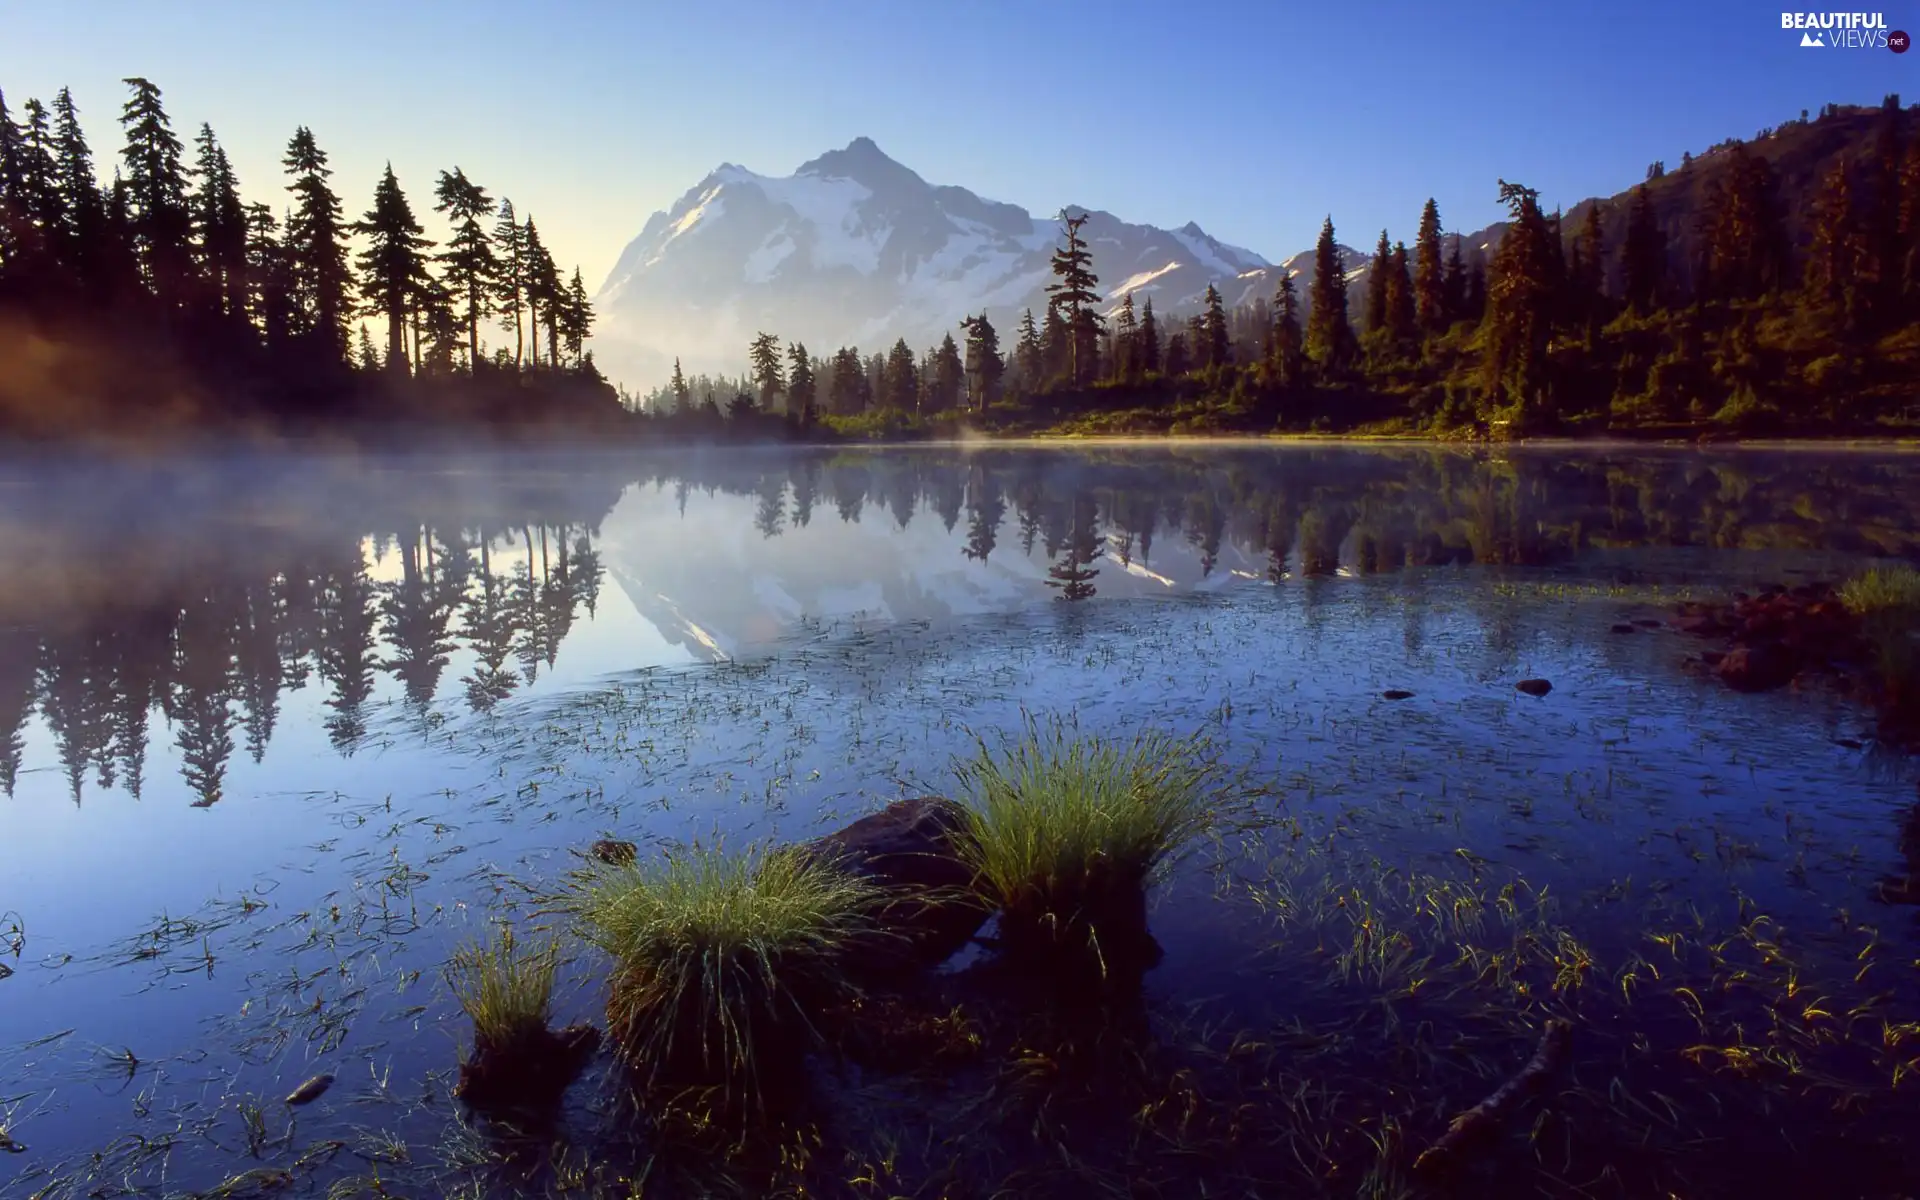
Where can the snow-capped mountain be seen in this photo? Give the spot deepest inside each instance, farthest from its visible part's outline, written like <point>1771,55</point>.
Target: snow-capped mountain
<point>854,249</point>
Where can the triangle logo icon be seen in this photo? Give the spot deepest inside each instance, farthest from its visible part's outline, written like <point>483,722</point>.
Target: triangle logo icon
<point>1812,39</point>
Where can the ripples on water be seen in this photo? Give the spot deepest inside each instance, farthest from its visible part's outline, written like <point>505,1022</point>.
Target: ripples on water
<point>286,733</point>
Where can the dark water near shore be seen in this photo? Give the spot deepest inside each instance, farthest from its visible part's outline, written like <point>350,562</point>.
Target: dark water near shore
<point>275,734</point>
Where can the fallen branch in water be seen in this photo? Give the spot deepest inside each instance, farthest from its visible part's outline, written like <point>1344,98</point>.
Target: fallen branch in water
<point>1484,1119</point>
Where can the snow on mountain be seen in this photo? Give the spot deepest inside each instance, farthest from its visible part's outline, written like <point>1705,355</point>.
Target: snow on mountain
<point>855,249</point>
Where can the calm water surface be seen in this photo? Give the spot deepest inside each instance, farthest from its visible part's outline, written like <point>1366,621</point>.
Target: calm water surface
<point>277,732</point>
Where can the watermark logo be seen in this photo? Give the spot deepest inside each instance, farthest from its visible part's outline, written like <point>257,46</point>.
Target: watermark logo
<point>1845,31</point>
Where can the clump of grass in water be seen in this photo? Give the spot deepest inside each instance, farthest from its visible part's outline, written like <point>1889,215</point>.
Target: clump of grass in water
<point>1887,602</point>
<point>722,960</point>
<point>1069,831</point>
<point>505,989</point>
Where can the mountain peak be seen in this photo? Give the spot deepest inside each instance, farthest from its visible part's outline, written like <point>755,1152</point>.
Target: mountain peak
<point>860,160</point>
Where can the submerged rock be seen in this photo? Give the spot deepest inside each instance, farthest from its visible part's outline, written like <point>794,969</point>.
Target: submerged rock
<point>1624,627</point>
<point>310,1091</point>
<point>615,853</point>
<point>913,849</point>
<point>1757,668</point>
<point>1397,694</point>
<point>1533,687</point>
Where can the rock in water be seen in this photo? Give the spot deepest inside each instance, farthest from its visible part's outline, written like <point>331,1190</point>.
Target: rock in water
<point>311,1090</point>
<point>912,848</point>
<point>1625,627</point>
<point>615,853</point>
<point>1758,668</point>
<point>1397,694</point>
<point>1534,687</point>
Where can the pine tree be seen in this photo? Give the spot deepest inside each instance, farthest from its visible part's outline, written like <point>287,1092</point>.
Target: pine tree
<point>12,219</point>
<point>1455,283</point>
<point>510,249</point>
<point>1028,353</point>
<point>984,365</point>
<point>316,247</point>
<point>36,203</point>
<point>1126,340</point>
<point>1401,316</point>
<point>900,384</point>
<point>1329,338</point>
<point>543,294</point>
<point>220,227</point>
<point>1520,304</point>
<point>682,394</point>
<point>1429,273</point>
<point>1073,297</point>
<point>947,377</point>
<point>1055,354</point>
<point>578,323</point>
<point>1178,363</point>
<point>1218,348</point>
<point>1745,242</point>
<point>394,263</point>
<point>366,357</point>
<point>769,375</point>
<point>472,271</point>
<point>157,195</point>
<point>80,200</point>
<point>1376,314</point>
<point>1643,256</point>
<point>1287,349</point>
<point>800,385</point>
<point>269,281</point>
<point>1833,276</point>
<point>1149,348</point>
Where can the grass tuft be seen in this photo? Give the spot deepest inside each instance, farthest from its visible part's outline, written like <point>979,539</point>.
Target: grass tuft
<point>1068,831</point>
<point>506,989</point>
<point>1884,592</point>
<point>721,958</point>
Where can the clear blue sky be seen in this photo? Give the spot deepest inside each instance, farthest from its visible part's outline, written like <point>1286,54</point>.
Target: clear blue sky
<point>1254,118</point>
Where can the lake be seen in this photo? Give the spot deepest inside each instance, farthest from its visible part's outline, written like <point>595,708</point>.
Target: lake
<point>278,732</point>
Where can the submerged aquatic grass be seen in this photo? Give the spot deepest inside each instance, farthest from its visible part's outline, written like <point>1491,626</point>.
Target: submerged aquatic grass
<point>505,988</point>
<point>1067,831</point>
<point>720,959</point>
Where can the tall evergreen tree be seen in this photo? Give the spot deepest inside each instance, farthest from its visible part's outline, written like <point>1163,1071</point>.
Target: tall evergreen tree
<point>1126,340</point>
<point>1745,242</point>
<point>1027,353</point>
<point>1401,314</point>
<point>543,294</point>
<point>1376,314</point>
<point>471,269</point>
<point>1149,348</point>
<point>220,227</point>
<point>36,203</point>
<point>1643,256</point>
<point>682,394</point>
<point>769,374</point>
<point>316,248</point>
<point>1073,297</point>
<point>1834,279</point>
<point>1287,348</point>
<point>800,384</point>
<point>984,365</point>
<point>1215,349</point>
<point>1055,355</point>
<point>394,263</point>
<point>1429,272</point>
<point>900,386</point>
<point>510,250</point>
<point>1520,307</point>
<point>270,283</point>
<point>945,381</point>
<point>578,312</point>
<point>157,195</point>
<point>81,200</point>
<point>1178,362</point>
<point>12,217</point>
<point>1329,338</point>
